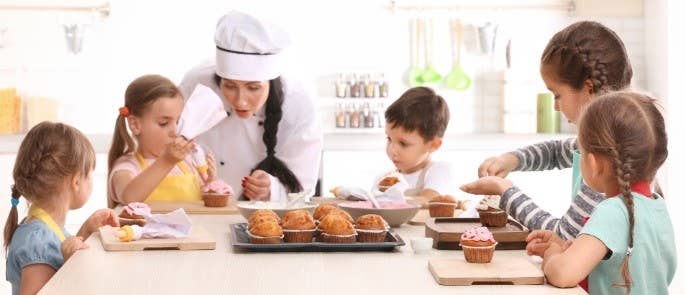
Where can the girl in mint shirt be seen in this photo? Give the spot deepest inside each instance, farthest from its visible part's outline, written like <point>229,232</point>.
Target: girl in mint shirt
<point>627,244</point>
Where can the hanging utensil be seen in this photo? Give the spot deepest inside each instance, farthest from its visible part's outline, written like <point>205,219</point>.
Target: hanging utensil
<point>457,79</point>
<point>413,74</point>
<point>74,35</point>
<point>430,75</point>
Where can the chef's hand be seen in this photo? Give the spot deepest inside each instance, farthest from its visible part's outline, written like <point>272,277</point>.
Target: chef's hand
<point>488,185</point>
<point>71,245</point>
<point>498,166</point>
<point>177,150</point>
<point>211,168</point>
<point>257,187</point>
<point>540,240</point>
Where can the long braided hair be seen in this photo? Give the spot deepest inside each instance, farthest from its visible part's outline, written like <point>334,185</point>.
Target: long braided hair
<point>628,129</point>
<point>589,50</point>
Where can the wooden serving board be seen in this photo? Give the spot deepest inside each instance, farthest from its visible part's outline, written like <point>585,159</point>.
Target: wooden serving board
<point>193,207</point>
<point>423,215</point>
<point>504,270</point>
<point>199,239</point>
<point>446,233</point>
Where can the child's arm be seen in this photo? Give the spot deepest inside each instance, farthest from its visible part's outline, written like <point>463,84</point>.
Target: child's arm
<point>546,155</point>
<point>565,268</point>
<point>100,218</point>
<point>34,277</point>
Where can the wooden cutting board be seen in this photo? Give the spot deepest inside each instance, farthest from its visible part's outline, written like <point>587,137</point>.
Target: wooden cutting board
<point>503,270</point>
<point>446,233</point>
<point>199,239</point>
<point>193,207</point>
<point>422,216</point>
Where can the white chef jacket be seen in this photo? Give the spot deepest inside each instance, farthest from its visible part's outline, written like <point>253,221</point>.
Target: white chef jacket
<point>237,143</point>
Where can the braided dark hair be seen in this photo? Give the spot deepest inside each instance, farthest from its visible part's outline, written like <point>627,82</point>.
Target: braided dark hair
<point>589,50</point>
<point>629,129</point>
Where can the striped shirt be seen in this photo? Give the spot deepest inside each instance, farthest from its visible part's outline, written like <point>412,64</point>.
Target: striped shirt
<point>547,156</point>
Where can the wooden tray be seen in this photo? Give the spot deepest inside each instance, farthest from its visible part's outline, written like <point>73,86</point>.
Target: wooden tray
<point>199,239</point>
<point>240,240</point>
<point>193,207</point>
<point>504,270</point>
<point>446,233</point>
<point>423,215</point>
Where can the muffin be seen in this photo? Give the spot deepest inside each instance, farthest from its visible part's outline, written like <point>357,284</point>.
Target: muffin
<point>489,212</point>
<point>337,229</point>
<point>128,217</point>
<point>321,211</point>
<point>263,213</point>
<point>442,206</point>
<point>478,245</point>
<point>216,193</point>
<point>371,228</point>
<point>265,232</point>
<point>298,227</point>
<point>341,213</point>
<point>389,180</point>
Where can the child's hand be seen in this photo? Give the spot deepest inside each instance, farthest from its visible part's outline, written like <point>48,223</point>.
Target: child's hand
<point>211,167</point>
<point>177,150</point>
<point>488,185</point>
<point>498,166</point>
<point>71,245</point>
<point>257,187</point>
<point>98,219</point>
<point>540,240</point>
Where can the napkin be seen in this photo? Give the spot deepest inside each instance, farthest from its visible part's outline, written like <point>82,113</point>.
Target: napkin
<point>203,110</point>
<point>175,224</point>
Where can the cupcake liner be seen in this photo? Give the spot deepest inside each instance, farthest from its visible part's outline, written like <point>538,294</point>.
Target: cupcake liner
<point>264,240</point>
<point>493,218</point>
<point>326,238</point>
<point>371,236</point>
<point>441,209</point>
<point>215,200</point>
<point>298,236</point>
<point>480,254</point>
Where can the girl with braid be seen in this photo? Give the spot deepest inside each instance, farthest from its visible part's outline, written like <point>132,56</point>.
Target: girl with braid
<point>580,62</point>
<point>627,245</point>
<point>270,144</point>
<point>54,173</point>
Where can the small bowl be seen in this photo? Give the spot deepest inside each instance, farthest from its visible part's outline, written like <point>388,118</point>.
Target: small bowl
<point>246,209</point>
<point>394,217</point>
<point>421,245</point>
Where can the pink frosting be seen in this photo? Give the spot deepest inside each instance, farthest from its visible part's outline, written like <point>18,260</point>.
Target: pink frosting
<point>383,204</point>
<point>478,234</point>
<point>217,186</point>
<point>140,206</point>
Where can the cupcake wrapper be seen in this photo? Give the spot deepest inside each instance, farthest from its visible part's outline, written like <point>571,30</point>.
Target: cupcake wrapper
<point>264,240</point>
<point>493,219</point>
<point>298,236</point>
<point>326,238</point>
<point>215,200</point>
<point>371,236</point>
<point>441,209</point>
<point>481,254</point>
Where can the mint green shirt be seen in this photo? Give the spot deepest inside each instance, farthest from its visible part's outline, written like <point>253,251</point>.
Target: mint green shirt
<point>653,260</point>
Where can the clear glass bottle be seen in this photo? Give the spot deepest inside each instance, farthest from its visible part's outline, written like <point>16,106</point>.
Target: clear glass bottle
<point>380,118</point>
<point>362,85</point>
<point>382,87</point>
<point>348,114</point>
<point>370,87</point>
<point>340,116</point>
<point>354,118</point>
<point>341,87</point>
<point>354,86</point>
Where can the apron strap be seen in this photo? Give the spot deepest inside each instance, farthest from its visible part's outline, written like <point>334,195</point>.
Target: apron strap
<point>143,164</point>
<point>43,216</point>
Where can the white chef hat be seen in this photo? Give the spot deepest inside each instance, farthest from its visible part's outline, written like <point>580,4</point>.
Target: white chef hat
<point>248,49</point>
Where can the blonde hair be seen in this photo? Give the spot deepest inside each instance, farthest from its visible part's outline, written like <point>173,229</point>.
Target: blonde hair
<point>628,129</point>
<point>49,154</point>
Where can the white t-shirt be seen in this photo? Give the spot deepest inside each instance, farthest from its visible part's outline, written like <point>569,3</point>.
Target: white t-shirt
<point>438,177</point>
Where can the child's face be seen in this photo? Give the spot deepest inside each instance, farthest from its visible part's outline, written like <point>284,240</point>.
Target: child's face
<point>83,190</point>
<point>245,97</point>
<point>567,100</point>
<point>408,150</point>
<point>157,127</point>
<point>597,171</point>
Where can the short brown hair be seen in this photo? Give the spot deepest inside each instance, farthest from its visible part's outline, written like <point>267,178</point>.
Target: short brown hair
<point>420,109</point>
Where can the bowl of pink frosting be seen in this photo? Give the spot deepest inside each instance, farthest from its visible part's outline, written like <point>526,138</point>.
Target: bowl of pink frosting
<point>394,213</point>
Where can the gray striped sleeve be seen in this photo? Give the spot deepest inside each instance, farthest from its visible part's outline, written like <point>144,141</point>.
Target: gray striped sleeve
<point>546,155</point>
<point>523,209</point>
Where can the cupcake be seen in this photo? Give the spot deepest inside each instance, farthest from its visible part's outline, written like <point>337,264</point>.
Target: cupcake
<point>342,213</point>
<point>216,193</point>
<point>389,180</point>
<point>337,229</point>
<point>371,228</point>
<point>321,211</point>
<point>261,216</point>
<point>478,245</point>
<point>129,217</point>
<point>489,212</point>
<point>442,206</point>
<point>265,232</point>
<point>298,227</point>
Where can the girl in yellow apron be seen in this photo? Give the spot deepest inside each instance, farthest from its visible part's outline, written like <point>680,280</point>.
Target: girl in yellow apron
<point>153,105</point>
<point>53,171</point>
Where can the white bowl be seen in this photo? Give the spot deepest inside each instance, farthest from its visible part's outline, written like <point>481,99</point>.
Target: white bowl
<point>393,216</point>
<point>246,209</point>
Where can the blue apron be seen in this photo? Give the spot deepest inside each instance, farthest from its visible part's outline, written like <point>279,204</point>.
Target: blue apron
<point>577,180</point>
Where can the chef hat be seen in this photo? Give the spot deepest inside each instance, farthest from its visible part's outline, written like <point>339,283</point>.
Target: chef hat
<point>248,49</point>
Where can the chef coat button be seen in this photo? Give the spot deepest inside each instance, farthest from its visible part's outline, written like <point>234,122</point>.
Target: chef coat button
<point>228,114</point>
<point>221,163</point>
<point>261,123</point>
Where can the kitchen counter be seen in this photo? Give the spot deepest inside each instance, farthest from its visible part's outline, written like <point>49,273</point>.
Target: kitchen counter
<point>224,271</point>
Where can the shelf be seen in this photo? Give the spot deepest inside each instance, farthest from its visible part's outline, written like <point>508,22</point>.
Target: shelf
<point>337,100</point>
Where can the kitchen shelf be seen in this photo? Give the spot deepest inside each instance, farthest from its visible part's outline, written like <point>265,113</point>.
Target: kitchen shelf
<point>337,100</point>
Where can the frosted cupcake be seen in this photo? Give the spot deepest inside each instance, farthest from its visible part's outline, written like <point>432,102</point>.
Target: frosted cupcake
<point>216,193</point>
<point>478,245</point>
<point>489,212</point>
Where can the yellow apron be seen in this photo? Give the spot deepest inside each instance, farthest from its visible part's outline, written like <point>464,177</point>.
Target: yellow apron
<point>43,216</point>
<point>184,187</point>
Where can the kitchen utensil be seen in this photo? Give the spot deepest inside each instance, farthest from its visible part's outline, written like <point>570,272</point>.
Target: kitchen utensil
<point>429,75</point>
<point>457,79</point>
<point>74,36</point>
<point>487,34</point>
<point>413,74</point>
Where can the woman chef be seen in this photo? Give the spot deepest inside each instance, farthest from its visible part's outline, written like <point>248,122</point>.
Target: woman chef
<point>270,144</point>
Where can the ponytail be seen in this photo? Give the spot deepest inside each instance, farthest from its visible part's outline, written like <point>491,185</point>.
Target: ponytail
<point>271,164</point>
<point>122,143</point>
<point>13,218</point>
